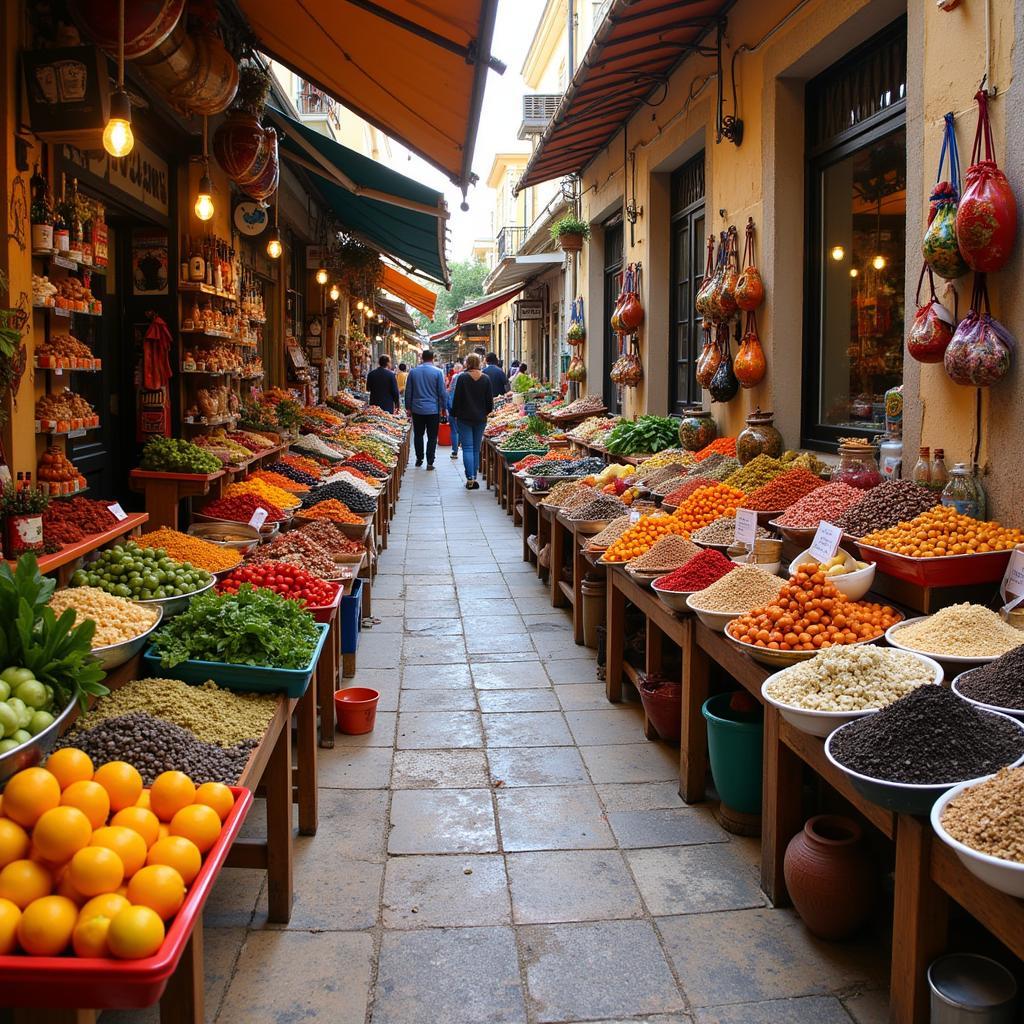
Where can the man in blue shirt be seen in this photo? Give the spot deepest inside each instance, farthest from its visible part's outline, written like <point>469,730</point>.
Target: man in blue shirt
<point>382,386</point>
<point>493,370</point>
<point>426,399</point>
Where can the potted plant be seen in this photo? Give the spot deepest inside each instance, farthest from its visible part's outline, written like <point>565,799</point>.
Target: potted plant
<point>23,519</point>
<point>569,233</point>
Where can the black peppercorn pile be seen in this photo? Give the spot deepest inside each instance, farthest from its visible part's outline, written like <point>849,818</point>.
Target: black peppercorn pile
<point>293,474</point>
<point>353,497</point>
<point>895,501</point>
<point>928,737</point>
<point>156,746</point>
<point>1000,682</point>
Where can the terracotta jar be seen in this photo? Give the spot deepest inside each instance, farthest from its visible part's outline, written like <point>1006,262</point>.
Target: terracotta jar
<point>830,877</point>
<point>758,437</point>
<point>697,428</point>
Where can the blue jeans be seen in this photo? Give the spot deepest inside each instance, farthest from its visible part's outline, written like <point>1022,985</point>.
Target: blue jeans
<point>470,437</point>
<point>454,425</point>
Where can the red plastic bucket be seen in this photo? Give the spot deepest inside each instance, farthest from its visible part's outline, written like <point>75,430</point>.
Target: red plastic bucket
<point>444,435</point>
<point>356,709</point>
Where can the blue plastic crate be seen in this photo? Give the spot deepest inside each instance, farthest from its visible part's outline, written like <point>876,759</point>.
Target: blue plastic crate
<point>352,617</point>
<point>253,678</point>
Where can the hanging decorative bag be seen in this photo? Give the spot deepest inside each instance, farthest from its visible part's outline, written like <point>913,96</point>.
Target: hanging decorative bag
<point>628,371</point>
<point>702,302</point>
<point>709,358</point>
<point>577,333</point>
<point>714,297</point>
<point>981,350</point>
<point>577,370</point>
<point>724,385</point>
<point>986,219</point>
<point>749,287</point>
<point>631,313</point>
<point>940,248</point>
<point>932,329</point>
<point>616,320</point>
<point>727,305</point>
<point>750,365</point>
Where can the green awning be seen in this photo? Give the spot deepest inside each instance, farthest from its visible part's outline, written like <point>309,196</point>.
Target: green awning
<point>385,209</point>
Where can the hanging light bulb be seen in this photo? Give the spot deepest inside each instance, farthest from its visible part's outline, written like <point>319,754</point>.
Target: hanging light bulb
<point>334,293</point>
<point>274,247</point>
<point>854,271</point>
<point>360,305</point>
<point>878,262</point>
<point>117,133</point>
<point>321,273</point>
<point>380,316</point>
<point>204,200</point>
<point>838,252</point>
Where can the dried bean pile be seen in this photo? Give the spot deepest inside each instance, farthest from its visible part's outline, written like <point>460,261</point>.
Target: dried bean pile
<point>895,501</point>
<point>928,737</point>
<point>331,538</point>
<point>963,630</point>
<point>828,503</point>
<point>785,490</point>
<point>989,817</point>
<point>611,533</point>
<point>583,496</point>
<point>722,531</point>
<point>560,492</point>
<point>756,473</point>
<point>344,492</point>
<point>718,467</point>
<point>293,474</point>
<point>1000,682</point>
<point>662,473</point>
<point>742,590</point>
<point>666,554</point>
<point>606,506</point>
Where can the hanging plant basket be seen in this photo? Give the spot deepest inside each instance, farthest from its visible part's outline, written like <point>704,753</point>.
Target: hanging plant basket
<point>569,233</point>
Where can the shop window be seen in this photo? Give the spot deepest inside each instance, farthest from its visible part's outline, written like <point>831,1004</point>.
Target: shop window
<point>613,257</point>
<point>686,270</point>
<point>856,219</point>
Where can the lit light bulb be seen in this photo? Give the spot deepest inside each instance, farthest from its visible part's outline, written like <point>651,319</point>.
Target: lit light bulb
<point>117,134</point>
<point>274,247</point>
<point>334,293</point>
<point>360,304</point>
<point>204,201</point>
<point>878,263</point>
<point>838,252</point>
<point>321,275</point>
<point>853,272</point>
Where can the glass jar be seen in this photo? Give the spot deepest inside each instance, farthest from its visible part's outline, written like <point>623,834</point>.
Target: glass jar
<point>960,492</point>
<point>758,437</point>
<point>858,466</point>
<point>697,428</point>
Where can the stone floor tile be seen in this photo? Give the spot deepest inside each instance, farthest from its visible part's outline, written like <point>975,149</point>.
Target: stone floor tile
<point>571,885</point>
<point>389,588</point>
<point>414,581</point>
<point>554,620</point>
<point>387,624</point>
<point>749,956</point>
<point>479,642</point>
<point>666,826</point>
<point>438,892</point>
<point>293,976</point>
<point>640,796</point>
<point>810,1010</point>
<point>695,879</point>
<point>355,768</point>
<point>479,567</point>
<point>511,676</point>
<point>632,762</point>
<point>450,975</point>
<point>552,818</point>
<point>439,769</point>
<point>435,730</point>
<point>601,969</point>
<point>582,697</point>
<point>498,701</point>
<point>870,1007</point>
<point>448,625</point>
<point>533,605</point>
<point>429,594</point>
<point>433,650</point>
<point>439,700</point>
<point>516,568</point>
<point>537,766</point>
<point>573,670</point>
<point>382,735</point>
<point>352,823</point>
<point>623,724</point>
<point>495,625</point>
<point>387,606</point>
<point>527,729</point>
<point>501,657</point>
<point>232,902</point>
<point>471,607</point>
<point>489,590</point>
<point>442,821</point>
<point>435,677</point>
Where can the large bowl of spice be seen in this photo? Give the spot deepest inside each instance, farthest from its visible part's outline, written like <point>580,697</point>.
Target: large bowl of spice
<point>998,686</point>
<point>841,684</point>
<point>664,556</point>
<point>698,573</point>
<point>981,822</point>
<point>911,752</point>
<point>735,594</point>
<point>959,636</point>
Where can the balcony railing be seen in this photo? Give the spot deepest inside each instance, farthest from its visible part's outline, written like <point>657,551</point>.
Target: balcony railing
<point>510,240</point>
<point>311,101</point>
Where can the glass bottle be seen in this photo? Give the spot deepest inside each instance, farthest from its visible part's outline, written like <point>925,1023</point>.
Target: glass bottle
<point>61,233</point>
<point>186,251</point>
<point>922,472</point>
<point>857,465</point>
<point>196,265</point>
<point>939,474</point>
<point>959,493</point>
<point>979,491</point>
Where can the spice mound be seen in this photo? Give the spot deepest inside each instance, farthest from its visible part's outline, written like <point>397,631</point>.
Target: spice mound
<point>722,531</point>
<point>961,630</point>
<point>890,503</point>
<point>610,534</point>
<point>828,503</point>
<point>989,817</point>
<point>698,573</point>
<point>117,619</point>
<point>184,548</point>
<point>666,554</point>
<point>606,506</point>
<point>783,491</point>
<point>744,588</point>
<point>944,531</point>
<point>334,510</point>
<point>756,473</point>
<point>999,683</point>
<point>928,737</point>
<point>708,504</point>
<point>850,679</point>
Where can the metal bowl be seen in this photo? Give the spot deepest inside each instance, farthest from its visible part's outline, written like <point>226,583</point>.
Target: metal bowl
<point>240,537</point>
<point>1017,713</point>
<point>781,659</point>
<point>673,599</point>
<point>34,750</point>
<point>956,662</point>
<point>114,655</point>
<point>267,531</point>
<point>178,603</point>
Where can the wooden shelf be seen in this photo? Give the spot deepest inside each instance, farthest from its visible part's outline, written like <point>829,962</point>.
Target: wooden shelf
<point>69,552</point>
<point>64,311</point>
<point>206,289</point>
<point>60,260</point>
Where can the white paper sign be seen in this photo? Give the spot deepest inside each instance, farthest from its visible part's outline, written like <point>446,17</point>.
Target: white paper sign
<point>1013,579</point>
<point>634,516</point>
<point>826,541</point>
<point>259,517</point>
<point>746,526</point>
<point>119,513</point>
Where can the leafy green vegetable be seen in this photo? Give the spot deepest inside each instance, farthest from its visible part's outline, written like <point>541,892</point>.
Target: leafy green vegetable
<point>523,382</point>
<point>31,636</point>
<point>538,426</point>
<point>647,434</point>
<point>253,627</point>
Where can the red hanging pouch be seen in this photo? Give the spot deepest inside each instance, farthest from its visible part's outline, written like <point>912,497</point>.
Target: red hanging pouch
<point>932,329</point>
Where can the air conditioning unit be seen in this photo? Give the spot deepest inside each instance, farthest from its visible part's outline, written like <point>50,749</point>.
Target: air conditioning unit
<point>538,109</point>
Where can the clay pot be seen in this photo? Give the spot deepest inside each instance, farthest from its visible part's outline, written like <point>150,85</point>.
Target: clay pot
<point>830,877</point>
<point>264,184</point>
<point>147,23</point>
<point>241,146</point>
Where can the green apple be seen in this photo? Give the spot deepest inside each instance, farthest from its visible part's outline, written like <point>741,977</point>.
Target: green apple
<point>16,675</point>
<point>40,720</point>
<point>5,690</point>
<point>32,692</point>
<point>8,744</point>
<point>9,721</point>
<point>21,709</point>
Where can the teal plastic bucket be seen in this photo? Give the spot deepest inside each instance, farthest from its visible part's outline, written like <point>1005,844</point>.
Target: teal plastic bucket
<point>735,743</point>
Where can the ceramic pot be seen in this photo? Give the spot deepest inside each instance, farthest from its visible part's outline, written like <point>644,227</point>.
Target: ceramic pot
<point>570,242</point>
<point>240,146</point>
<point>759,437</point>
<point>830,877</point>
<point>264,184</point>
<point>697,429</point>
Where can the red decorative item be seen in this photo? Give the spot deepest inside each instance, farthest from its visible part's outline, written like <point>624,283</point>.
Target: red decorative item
<point>631,312</point>
<point>264,185</point>
<point>240,145</point>
<point>932,330</point>
<point>147,23</point>
<point>986,219</point>
<point>156,349</point>
<point>749,287</point>
<point>750,365</point>
<point>709,358</point>
<point>981,351</point>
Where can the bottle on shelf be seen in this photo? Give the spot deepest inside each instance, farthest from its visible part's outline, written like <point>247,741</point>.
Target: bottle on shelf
<point>88,248</point>
<point>938,470</point>
<point>922,471</point>
<point>196,265</point>
<point>41,213</point>
<point>186,252</point>
<point>959,492</point>
<point>61,232</point>
<point>99,235</point>
<point>218,269</point>
<point>74,219</point>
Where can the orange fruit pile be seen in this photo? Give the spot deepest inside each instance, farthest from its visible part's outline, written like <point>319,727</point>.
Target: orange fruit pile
<point>334,510</point>
<point>810,614</point>
<point>707,504</point>
<point>642,536</point>
<point>720,446</point>
<point>92,861</point>
<point>944,531</point>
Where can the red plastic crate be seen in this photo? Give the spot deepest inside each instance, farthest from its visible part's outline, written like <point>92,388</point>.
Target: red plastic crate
<point>322,613</point>
<point>72,982</point>
<point>944,571</point>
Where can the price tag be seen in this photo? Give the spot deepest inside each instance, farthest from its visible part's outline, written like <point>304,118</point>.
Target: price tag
<point>746,527</point>
<point>119,513</point>
<point>826,542</point>
<point>531,408</point>
<point>259,517</point>
<point>634,516</point>
<point>58,371</point>
<point>1013,579</point>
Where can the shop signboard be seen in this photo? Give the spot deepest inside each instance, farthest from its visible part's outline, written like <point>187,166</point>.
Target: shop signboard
<point>142,177</point>
<point>67,89</point>
<point>529,310</point>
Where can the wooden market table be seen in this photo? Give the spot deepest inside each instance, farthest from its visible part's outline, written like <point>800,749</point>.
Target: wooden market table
<point>164,492</point>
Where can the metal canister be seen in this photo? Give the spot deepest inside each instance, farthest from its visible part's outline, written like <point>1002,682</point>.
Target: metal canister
<point>971,989</point>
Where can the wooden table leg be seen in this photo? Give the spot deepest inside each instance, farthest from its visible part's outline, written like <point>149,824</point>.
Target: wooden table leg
<point>277,785</point>
<point>782,807</point>
<point>182,1001</point>
<point>653,659</point>
<point>529,526</point>
<point>543,537</point>
<point>614,640</point>
<point>305,758</point>
<point>919,921</point>
<point>693,750</point>
<point>327,681</point>
<point>579,569</point>
<point>557,560</point>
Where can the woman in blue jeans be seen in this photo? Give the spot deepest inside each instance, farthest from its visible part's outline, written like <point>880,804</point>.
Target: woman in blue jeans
<point>471,403</point>
<point>452,418</point>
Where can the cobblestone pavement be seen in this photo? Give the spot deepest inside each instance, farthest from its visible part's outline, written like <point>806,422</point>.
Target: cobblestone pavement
<point>506,846</point>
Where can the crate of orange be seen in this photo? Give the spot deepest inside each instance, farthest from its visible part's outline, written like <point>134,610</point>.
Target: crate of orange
<point>126,947</point>
<point>808,616</point>
<point>707,504</point>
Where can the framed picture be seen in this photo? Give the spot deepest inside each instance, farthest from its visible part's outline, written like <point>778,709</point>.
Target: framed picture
<point>67,91</point>
<point>149,262</point>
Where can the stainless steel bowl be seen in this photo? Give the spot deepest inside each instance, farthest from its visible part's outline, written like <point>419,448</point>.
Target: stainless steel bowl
<point>174,605</point>
<point>267,531</point>
<point>223,534</point>
<point>32,752</point>
<point>114,655</point>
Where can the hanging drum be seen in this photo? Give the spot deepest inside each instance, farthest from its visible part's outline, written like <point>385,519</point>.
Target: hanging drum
<point>147,23</point>
<point>263,185</point>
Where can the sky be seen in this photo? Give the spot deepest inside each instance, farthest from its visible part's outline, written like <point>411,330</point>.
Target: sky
<point>499,122</point>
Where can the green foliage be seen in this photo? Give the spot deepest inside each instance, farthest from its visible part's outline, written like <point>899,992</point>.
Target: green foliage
<point>23,502</point>
<point>467,283</point>
<point>523,382</point>
<point>289,413</point>
<point>570,225</point>
<point>174,455</point>
<point>537,426</point>
<point>648,434</point>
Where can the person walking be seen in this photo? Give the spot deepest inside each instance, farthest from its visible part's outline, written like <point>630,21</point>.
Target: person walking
<point>427,400</point>
<point>471,404</point>
<point>403,373</point>
<point>382,385</point>
<point>496,375</point>
<point>452,419</point>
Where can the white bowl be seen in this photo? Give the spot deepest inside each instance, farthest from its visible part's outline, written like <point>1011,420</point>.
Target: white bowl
<point>1017,713</point>
<point>822,723</point>
<point>672,599</point>
<point>892,634</point>
<point>1007,876</point>
<point>852,585</point>
<point>713,620</point>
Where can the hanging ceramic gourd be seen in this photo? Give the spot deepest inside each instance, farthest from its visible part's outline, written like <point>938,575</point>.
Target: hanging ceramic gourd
<point>702,302</point>
<point>631,314</point>
<point>727,305</point>
<point>577,370</point>
<point>940,248</point>
<point>750,365</point>
<point>932,329</point>
<point>724,385</point>
<point>627,371</point>
<point>749,287</point>
<point>714,295</point>
<point>986,219</point>
<point>616,319</point>
<point>710,355</point>
<point>981,350</point>
<point>577,333</point>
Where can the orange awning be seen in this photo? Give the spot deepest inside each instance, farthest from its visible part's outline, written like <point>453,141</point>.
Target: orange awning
<point>409,291</point>
<point>414,68</point>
